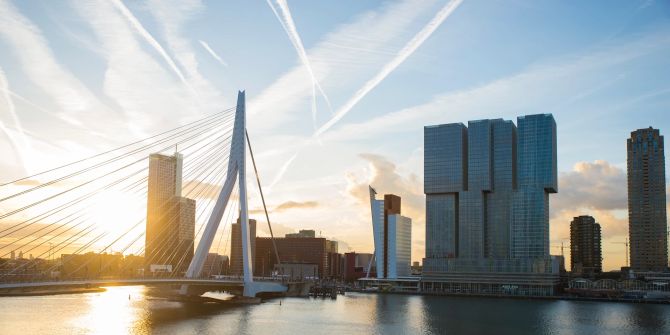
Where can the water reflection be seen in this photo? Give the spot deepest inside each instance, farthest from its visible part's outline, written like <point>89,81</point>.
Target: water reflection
<point>133,310</point>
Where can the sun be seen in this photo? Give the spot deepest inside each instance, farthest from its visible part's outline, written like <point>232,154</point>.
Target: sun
<point>115,213</point>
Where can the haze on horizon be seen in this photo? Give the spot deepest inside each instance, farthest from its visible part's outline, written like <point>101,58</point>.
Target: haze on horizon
<point>338,93</point>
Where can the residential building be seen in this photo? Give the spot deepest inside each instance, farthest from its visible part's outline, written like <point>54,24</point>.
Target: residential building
<point>585,248</point>
<point>170,224</point>
<point>647,217</point>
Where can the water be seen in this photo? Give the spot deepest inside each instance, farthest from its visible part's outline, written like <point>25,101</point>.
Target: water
<point>112,312</point>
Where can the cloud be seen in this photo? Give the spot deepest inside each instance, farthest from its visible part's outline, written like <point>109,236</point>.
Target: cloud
<point>593,185</point>
<point>133,79</point>
<point>503,95</point>
<point>20,142</point>
<point>171,17</point>
<point>389,67</point>
<point>278,229</point>
<point>284,206</point>
<point>28,182</point>
<point>73,98</point>
<point>287,23</point>
<point>288,205</point>
<point>338,60</point>
<point>148,38</point>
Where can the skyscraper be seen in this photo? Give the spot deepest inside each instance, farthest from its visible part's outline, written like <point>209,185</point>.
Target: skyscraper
<point>585,249</point>
<point>170,221</point>
<point>647,217</point>
<point>236,260</point>
<point>392,237</point>
<point>487,190</point>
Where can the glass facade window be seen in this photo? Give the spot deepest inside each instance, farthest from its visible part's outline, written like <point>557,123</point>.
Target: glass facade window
<point>487,192</point>
<point>445,160</point>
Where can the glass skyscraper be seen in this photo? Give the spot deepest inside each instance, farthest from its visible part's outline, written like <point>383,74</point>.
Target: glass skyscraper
<point>487,190</point>
<point>647,217</point>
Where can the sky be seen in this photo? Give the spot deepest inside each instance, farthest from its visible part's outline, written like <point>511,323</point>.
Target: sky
<point>338,93</point>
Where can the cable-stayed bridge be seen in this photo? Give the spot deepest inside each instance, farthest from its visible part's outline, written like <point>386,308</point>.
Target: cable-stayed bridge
<point>101,209</point>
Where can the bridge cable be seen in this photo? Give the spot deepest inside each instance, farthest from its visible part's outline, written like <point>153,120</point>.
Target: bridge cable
<point>260,189</point>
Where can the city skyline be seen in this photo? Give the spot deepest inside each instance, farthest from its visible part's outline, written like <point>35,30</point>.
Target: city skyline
<point>107,81</point>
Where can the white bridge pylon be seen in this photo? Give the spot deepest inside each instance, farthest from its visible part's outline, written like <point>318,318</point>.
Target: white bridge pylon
<point>236,169</point>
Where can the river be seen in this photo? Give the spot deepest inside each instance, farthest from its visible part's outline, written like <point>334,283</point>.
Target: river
<point>130,310</point>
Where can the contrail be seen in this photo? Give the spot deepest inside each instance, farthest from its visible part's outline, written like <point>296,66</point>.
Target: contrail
<point>211,52</point>
<point>282,171</point>
<point>152,41</point>
<point>286,21</point>
<point>406,51</point>
<point>21,145</point>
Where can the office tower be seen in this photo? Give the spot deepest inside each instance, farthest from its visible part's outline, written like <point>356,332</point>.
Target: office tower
<point>647,220</point>
<point>487,190</point>
<point>392,237</point>
<point>170,221</point>
<point>536,179</point>
<point>585,250</point>
<point>236,247</point>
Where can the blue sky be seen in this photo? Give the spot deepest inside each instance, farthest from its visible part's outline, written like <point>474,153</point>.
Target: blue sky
<point>89,76</point>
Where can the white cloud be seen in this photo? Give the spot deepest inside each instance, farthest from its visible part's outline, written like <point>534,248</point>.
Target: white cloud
<point>171,17</point>
<point>133,78</point>
<point>148,38</point>
<point>73,99</point>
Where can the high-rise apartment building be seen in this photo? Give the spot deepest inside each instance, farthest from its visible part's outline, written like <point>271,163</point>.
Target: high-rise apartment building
<point>170,224</point>
<point>585,249</point>
<point>236,260</point>
<point>647,217</point>
<point>392,237</point>
<point>487,190</point>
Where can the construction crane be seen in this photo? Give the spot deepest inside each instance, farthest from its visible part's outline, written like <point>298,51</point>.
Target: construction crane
<point>626,244</point>
<point>562,248</point>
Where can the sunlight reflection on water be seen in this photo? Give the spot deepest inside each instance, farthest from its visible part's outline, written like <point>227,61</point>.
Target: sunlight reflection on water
<point>134,310</point>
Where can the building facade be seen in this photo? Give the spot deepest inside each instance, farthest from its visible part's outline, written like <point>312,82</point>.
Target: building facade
<point>647,217</point>
<point>392,237</point>
<point>307,233</point>
<point>236,260</point>
<point>585,246</point>
<point>170,223</point>
<point>487,190</point>
<point>296,250</point>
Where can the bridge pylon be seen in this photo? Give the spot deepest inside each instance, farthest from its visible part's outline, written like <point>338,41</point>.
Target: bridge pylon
<point>236,170</point>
